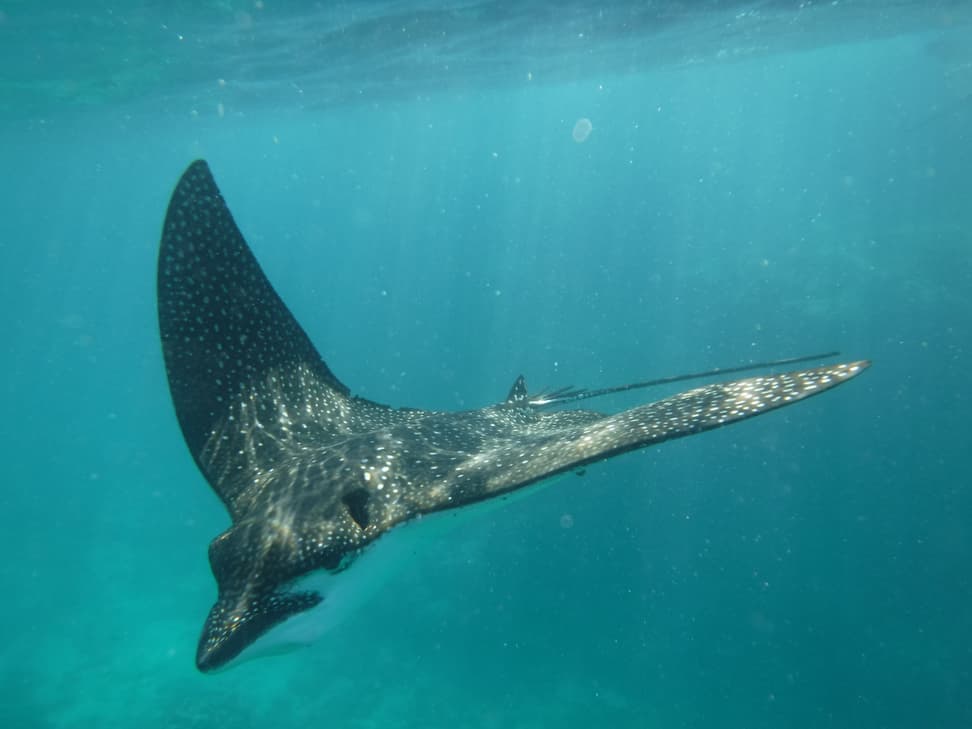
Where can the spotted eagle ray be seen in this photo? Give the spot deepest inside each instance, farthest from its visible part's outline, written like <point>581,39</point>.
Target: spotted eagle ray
<point>318,481</point>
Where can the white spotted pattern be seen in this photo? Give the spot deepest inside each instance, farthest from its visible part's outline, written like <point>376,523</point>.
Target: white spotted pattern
<point>311,474</point>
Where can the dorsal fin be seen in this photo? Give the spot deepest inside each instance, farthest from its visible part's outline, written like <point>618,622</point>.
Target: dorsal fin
<point>518,392</point>
<point>223,327</point>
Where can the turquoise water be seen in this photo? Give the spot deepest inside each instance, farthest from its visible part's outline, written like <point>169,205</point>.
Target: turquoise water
<point>759,182</point>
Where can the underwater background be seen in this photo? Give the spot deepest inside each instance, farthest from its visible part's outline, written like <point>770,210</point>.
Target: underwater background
<point>448,195</point>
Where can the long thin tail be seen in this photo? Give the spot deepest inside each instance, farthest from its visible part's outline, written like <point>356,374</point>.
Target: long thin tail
<point>570,394</point>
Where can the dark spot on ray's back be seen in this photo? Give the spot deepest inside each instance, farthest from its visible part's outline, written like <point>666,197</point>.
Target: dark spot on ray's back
<point>311,474</point>
<point>357,502</point>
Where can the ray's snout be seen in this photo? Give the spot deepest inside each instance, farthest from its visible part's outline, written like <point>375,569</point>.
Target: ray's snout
<point>225,634</point>
<point>233,625</point>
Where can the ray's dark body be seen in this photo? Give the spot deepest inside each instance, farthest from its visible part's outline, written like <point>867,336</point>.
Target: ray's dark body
<point>311,474</point>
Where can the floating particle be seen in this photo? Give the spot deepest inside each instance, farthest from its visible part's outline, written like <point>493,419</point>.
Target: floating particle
<point>582,129</point>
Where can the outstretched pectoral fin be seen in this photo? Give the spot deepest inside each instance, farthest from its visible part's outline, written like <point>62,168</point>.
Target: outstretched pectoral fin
<point>550,446</point>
